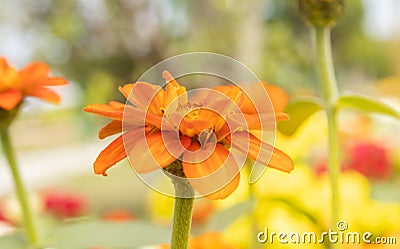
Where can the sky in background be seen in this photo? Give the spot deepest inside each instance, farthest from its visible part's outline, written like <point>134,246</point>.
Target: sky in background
<point>382,18</point>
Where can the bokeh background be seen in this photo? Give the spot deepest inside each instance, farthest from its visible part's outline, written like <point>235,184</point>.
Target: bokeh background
<point>100,44</point>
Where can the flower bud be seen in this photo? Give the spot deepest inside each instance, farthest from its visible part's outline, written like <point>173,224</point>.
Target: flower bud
<point>321,13</point>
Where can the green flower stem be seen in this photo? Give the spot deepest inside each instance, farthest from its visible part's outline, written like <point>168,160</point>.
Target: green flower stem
<point>182,219</point>
<point>325,66</point>
<point>19,187</point>
<point>330,94</point>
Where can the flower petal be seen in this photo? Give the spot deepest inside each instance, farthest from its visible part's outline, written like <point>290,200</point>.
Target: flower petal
<point>112,154</point>
<point>35,70</point>
<point>54,81</point>
<point>111,128</point>
<point>261,152</point>
<point>115,151</point>
<point>174,91</point>
<point>232,91</point>
<point>45,94</point>
<point>8,76</point>
<point>215,177</point>
<point>36,74</point>
<point>105,111</point>
<point>281,161</point>
<point>150,153</point>
<point>10,98</point>
<point>143,95</point>
<point>281,116</point>
<point>277,95</point>
<point>137,117</point>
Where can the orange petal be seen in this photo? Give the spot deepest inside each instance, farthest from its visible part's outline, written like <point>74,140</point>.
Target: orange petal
<point>216,177</point>
<point>281,161</point>
<point>143,95</point>
<point>115,151</point>
<point>112,154</point>
<point>105,111</point>
<point>133,116</point>
<point>252,121</point>
<point>117,105</point>
<point>173,91</point>
<point>170,79</point>
<point>3,64</point>
<point>35,70</point>
<point>45,94</point>
<point>151,153</point>
<point>126,89</point>
<point>36,74</point>
<point>278,97</point>
<point>9,76</point>
<point>213,117</point>
<point>261,152</point>
<point>55,81</point>
<point>111,128</point>
<point>223,132</point>
<point>246,104</point>
<point>10,98</point>
<point>232,91</point>
<point>281,116</point>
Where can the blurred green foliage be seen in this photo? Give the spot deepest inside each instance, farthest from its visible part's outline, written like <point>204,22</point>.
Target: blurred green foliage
<point>104,43</point>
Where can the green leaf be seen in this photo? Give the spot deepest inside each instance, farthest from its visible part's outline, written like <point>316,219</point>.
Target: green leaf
<point>299,110</point>
<point>13,241</point>
<point>105,234</point>
<point>220,220</point>
<point>366,104</point>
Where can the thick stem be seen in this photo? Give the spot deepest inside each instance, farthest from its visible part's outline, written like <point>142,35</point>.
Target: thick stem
<point>326,71</point>
<point>330,94</point>
<point>182,220</point>
<point>19,187</point>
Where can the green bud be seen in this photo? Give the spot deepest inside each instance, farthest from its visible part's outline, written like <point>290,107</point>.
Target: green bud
<point>321,13</point>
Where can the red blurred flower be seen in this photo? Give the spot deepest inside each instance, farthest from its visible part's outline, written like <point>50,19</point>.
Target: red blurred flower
<point>64,204</point>
<point>2,216</point>
<point>370,160</point>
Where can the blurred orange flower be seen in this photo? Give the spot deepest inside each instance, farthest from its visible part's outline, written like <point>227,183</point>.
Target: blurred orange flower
<point>118,215</point>
<point>29,81</point>
<point>204,136</point>
<point>202,211</point>
<point>208,240</point>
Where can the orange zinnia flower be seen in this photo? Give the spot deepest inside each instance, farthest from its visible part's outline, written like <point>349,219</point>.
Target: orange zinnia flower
<point>162,126</point>
<point>29,81</point>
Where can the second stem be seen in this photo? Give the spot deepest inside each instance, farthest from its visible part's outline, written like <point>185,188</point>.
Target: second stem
<point>19,187</point>
<point>330,94</point>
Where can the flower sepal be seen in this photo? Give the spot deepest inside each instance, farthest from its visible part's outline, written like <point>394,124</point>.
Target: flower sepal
<point>7,116</point>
